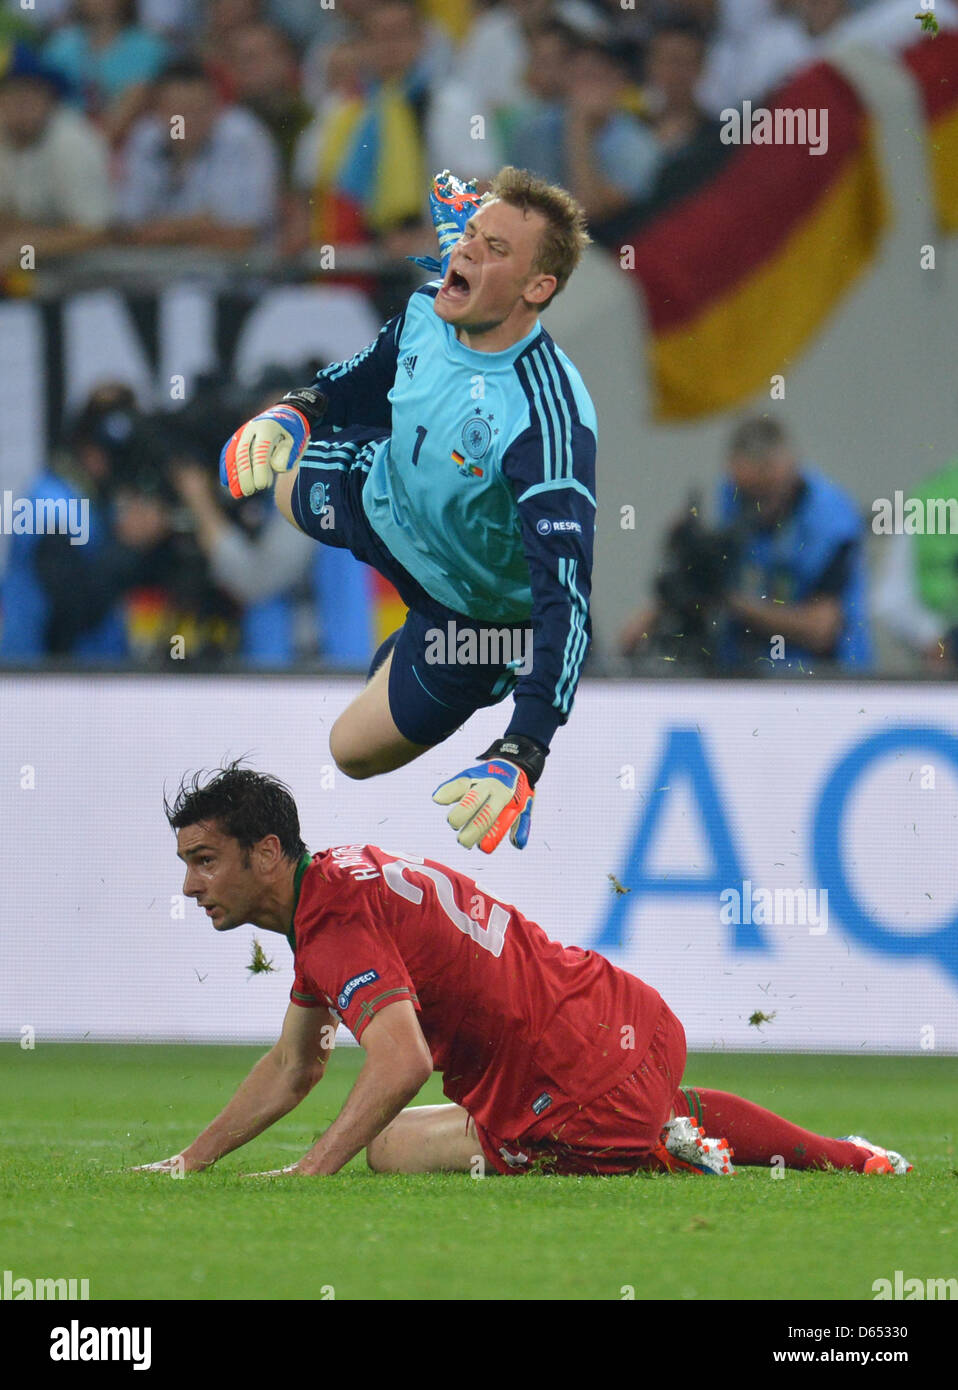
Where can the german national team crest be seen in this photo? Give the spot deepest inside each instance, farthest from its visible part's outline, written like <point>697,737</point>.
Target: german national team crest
<point>474,441</point>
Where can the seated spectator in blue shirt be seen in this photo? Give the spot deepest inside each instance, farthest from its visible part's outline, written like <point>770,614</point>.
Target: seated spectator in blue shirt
<point>197,173</point>
<point>688,142</point>
<point>109,60</point>
<point>579,127</point>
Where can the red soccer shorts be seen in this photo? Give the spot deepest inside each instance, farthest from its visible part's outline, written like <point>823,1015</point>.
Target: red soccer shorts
<point>616,1133</point>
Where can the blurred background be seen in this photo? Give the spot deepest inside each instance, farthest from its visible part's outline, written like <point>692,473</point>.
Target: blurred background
<point>203,203</point>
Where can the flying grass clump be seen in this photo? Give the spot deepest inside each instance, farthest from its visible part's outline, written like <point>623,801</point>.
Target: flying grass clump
<point>259,965</point>
<point>758,1018</point>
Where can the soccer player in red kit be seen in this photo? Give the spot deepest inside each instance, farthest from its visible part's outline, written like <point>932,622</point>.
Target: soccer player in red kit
<point>553,1058</point>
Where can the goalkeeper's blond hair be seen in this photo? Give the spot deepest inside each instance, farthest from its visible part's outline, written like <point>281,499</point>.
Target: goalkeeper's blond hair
<point>565,237</point>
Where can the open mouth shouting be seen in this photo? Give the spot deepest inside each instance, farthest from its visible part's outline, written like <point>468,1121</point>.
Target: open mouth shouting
<point>456,287</point>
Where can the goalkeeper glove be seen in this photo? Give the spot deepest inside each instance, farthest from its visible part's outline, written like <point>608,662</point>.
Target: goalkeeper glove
<point>451,203</point>
<point>496,795</point>
<point>270,443</point>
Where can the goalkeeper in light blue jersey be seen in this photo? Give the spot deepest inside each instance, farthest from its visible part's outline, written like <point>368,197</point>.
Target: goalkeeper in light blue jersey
<point>456,454</point>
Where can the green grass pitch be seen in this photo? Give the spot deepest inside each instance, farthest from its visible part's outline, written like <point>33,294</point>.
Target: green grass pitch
<point>74,1116</point>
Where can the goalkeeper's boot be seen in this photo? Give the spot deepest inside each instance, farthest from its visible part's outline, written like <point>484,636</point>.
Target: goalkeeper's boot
<point>451,203</point>
<point>880,1160</point>
<point>684,1148</point>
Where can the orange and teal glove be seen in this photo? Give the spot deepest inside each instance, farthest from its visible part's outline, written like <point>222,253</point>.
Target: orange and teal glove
<point>496,795</point>
<point>270,443</point>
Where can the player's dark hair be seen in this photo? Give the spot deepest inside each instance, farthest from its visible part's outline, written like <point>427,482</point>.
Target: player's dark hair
<point>757,436</point>
<point>244,804</point>
<point>565,237</point>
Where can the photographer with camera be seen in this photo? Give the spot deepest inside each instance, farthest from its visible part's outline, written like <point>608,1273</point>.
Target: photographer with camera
<point>253,554</point>
<point>779,587</point>
<point>137,584</point>
<point>62,594</point>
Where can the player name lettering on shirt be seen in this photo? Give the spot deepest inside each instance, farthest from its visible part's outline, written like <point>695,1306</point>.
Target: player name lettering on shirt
<point>353,858</point>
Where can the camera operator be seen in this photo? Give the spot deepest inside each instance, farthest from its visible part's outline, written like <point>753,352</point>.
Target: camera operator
<point>62,598</point>
<point>253,554</point>
<point>779,588</point>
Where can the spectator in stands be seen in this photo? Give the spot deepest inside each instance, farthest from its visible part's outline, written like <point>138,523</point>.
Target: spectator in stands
<point>341,25</point>
<point>631,28</point>
<point>610,156</point>
<point>732,32</point>
<point>177,19</point>
<point>790,596</point>
<point>484,77</point>
<point>64,599</point>
<point>221,20</point>
<point>198,173</point>
<point>688,143</point>
<point>261,60</point>
<point>759,45</point>
<point>673,66</point>
<point>307,223</point>
<point>54,170</point>
<point>109,61</point>
<point>363,162</point>
<point>302,20</point>
<point>349,22</point>
<point>793,36</point>
<point>916,596</point>
<point>532,125</point>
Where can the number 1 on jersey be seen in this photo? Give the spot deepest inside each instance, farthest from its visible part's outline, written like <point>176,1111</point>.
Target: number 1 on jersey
<point>420,436</point>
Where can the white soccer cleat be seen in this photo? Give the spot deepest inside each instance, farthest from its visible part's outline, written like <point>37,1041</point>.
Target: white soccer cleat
<point>684,1148</point>
<point>881,1160</point>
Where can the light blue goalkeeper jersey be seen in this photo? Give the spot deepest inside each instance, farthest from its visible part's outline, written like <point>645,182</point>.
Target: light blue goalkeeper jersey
<point>484,489</point>
<point>438,492</point>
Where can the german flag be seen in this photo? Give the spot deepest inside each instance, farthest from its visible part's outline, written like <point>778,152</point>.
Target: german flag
<point>738,276</point>
<point>934,66</point>
<point>388,609</point>
<point>472,469</point>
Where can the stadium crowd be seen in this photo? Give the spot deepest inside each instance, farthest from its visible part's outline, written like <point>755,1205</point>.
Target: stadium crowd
<point>284,125</point>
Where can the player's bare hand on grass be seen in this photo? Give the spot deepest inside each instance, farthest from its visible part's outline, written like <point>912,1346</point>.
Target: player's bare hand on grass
<point>176,1164</point>
<point>496,795</point>
<point>293,1171</point>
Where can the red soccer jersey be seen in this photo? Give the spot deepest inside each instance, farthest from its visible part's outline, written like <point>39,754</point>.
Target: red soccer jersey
<point>517,1024</point>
